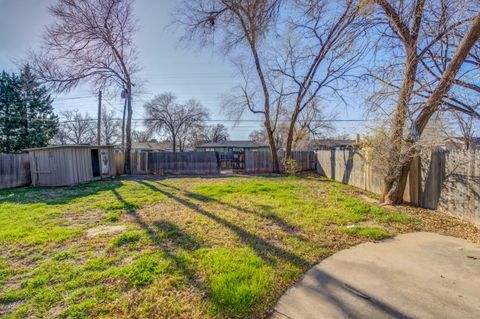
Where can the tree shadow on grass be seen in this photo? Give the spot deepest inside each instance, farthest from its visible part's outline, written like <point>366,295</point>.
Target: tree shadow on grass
<point>263,248</point>
<point>55,195</point>
<point>281,223</point>
<point>166,236</point>
<point>346,299</point>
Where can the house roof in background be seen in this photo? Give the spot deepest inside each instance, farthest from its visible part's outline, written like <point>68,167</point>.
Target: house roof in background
<point>331,142</point>
<point>240,144</point>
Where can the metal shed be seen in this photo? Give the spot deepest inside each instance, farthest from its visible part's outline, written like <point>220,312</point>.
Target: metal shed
<point>70,164</point>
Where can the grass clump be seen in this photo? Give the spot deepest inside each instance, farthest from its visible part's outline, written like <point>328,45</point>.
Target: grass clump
<point>112,217</point>
<point>373,233</point>
<point>143,270</point>
<point>237,278</point>
<point>129,238</point>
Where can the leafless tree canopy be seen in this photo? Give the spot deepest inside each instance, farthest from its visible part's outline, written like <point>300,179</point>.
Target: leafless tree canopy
<point>213,133</point>
<point>318,55</point>
<point>110,128</point>
<point>76,128</point>
<point>142,136</point>
<point>177,120</point>
<point>90,40</point>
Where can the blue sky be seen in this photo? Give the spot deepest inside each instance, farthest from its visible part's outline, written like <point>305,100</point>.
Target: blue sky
<point>167,65</point>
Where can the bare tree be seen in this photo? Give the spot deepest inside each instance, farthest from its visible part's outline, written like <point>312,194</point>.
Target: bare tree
<point>91,40</point>
<point>165,115</point>
<point>310,124</point>
<point>319,55</point>
<point>76,128</point>
<point>240,25</point>
<point>217,133</point>
<point>213,133</point>
<point>142,136</point>
<point>411,29</point>
<point>110,128</point>
<point>467,129</point>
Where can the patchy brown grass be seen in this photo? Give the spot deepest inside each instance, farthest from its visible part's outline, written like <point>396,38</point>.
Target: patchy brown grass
<point>186,247</point>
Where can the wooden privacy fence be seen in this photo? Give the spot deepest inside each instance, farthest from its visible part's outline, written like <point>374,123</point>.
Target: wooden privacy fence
<point>448,181</point>
<point>14,170</point>
<point>119,162</point>
<point>170,163</point>
<point>261,162</point>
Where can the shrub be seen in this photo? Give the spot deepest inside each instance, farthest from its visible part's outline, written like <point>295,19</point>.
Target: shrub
<point>291,166</point>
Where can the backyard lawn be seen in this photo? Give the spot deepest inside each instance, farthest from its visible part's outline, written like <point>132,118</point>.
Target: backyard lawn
<point>180,247</point>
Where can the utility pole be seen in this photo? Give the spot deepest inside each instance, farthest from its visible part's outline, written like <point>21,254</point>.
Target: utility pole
<point>99,124</point>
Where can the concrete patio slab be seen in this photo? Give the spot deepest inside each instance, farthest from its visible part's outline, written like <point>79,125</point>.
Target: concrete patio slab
<point>417,275</point>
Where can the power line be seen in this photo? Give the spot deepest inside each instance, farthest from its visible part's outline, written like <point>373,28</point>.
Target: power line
<point>208,120</point>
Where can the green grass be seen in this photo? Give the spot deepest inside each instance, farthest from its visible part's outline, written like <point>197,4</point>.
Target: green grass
<point>187,247</point>
<point>127,238</point>
<point>375,233</point>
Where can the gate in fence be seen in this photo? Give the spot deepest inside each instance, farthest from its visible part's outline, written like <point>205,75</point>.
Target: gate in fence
<point>231,160</point>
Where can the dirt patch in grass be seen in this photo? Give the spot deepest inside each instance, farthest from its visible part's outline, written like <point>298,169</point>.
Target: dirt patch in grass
<point>105,230</point>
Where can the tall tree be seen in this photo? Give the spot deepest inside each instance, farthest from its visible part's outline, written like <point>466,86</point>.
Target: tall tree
<point>413,29</point>
<point>91,40</point>
<point>165,115</point>
<point>26,112</point>
<point>241,25</point>
<point>318,55</point>
<point>10,110</point>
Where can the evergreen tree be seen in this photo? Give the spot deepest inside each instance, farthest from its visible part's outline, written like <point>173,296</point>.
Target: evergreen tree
<point>10,106</point>
<point>26,112</point>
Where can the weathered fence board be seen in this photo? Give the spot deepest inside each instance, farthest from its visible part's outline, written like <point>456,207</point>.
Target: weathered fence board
<point>261,162</point>
<point>119,163</point>
<point>183,163</point>
<point>14,170</point>
<point>195,163</point>
<point>449,181</point>
<point>258,162</point>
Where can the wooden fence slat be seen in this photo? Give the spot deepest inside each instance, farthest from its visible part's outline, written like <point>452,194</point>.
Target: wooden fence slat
<point>14,170</point>
<point>261,162</point>
<point>446,180</point>
<point>170,163</point>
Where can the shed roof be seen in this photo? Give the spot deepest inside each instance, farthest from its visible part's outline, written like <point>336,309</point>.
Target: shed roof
<point>240,144</point>
<point>68,146</point>
<point>150,145</point>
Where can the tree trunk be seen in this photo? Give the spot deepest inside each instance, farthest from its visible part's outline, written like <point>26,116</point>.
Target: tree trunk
<point>394,166</point>
<point>273,151</point>
<point>174,143</point>
<point>128,146</point>
<point>291,131</point>
<point>396,183</point>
